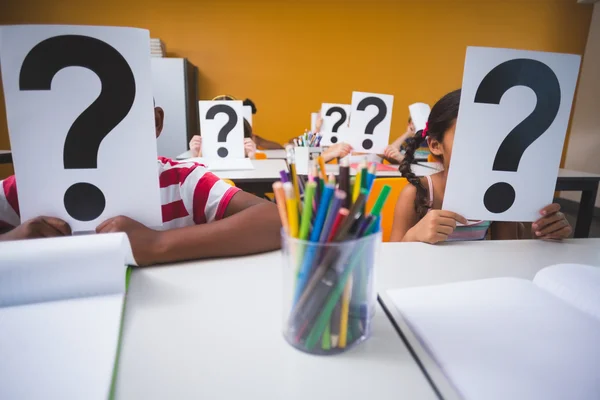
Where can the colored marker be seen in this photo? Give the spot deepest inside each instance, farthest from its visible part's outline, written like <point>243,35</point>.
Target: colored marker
<point>292,208</point>
<point>307,210</point>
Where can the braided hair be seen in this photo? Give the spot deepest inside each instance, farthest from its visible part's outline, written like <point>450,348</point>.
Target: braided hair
<point>442,116</point>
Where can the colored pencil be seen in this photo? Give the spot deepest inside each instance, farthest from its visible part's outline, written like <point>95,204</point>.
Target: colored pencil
<point>294,179</point>
<point>357,187</point>
<point>338,199</point>
<point>344,180</point>
<point>284,176</point>
<point>344,313</point>
<point>292,208</point>
<point>339,218</point>
<point>307,210</point>
<point>281,205</point>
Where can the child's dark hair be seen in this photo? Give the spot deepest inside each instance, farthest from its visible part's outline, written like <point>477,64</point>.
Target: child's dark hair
<point>250,103</point>
<point>442,116</point>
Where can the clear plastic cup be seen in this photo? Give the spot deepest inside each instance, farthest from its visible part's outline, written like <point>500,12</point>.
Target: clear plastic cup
<point>329,294</point>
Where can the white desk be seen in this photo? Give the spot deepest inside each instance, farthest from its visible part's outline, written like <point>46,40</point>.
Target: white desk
<point>419,264</point>
<point>258,180</point>
<point>420,169</point>
<point>212,330</point>
<point>282,153</point>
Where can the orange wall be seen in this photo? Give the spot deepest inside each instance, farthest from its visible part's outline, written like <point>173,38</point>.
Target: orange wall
<point>289,56</point>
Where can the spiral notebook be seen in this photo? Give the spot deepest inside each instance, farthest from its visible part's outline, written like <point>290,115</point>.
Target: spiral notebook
<point>509,338</point>
<point>61,308</point>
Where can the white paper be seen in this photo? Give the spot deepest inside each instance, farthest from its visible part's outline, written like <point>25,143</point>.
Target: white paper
<point>247,110</point>
<point>419,113</point>
<point>302,160</point>
<point>481,128</point>
<point>39,120</point>
<point>335,125</point>
<point>575,284</point>
<point>61,349</point>
<point>358,137</point>
<point>37,270</point>
<point>231,144</point>
<point>505,338</point>
<point>232,164</point>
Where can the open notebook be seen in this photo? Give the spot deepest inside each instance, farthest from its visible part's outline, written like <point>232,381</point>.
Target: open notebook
<point>509,338</point>
<point>61,307</point>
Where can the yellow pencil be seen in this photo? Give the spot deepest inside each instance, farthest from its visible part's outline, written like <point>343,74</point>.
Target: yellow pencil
<point>294,178</point>
<point>292,209</point>
<point>356,189</point>
<point>322,166</point>
<point>281,204</point>
<point>344,314</point>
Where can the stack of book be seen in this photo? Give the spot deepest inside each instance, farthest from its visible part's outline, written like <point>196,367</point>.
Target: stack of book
<point>157,48</point>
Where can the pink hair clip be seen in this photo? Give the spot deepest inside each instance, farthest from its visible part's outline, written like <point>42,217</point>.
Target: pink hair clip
<point>424,133</point>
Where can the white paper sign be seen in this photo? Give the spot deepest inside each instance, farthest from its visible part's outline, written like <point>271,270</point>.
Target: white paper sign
<point>419,113</point>
<point>335,122</point>
<point>222,128</point>
<point>514,111</point>
<point>371,121</point>
<point>248,114</point>
<point>302,160</point>
<point>81,122</point>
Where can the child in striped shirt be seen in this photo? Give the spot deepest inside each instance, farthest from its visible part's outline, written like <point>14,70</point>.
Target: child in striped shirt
<point>418,216</point>
<point>202,217</point>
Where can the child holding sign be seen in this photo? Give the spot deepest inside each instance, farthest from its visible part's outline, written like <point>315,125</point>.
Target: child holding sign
<point>202,216</point>
<point>249,145</point>
<point>418,216</point>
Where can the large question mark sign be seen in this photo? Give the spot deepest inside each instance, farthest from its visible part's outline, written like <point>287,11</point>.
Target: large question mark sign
<point>83,201</point>
<point>543,81</point>
<point>376,120</point>
<point>339,123</point>
<point>231,123</point>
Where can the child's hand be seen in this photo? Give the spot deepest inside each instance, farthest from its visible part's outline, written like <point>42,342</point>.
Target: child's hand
<point>143,240</point>
<point>196,145</point>
<point>552,225</point>
<point>434,227</point>
<point>338,150</point>
<point>392,153</point>
<point>39,227</point>
<point>249,148</point>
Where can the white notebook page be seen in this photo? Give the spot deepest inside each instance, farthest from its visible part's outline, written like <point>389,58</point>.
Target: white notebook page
<point>505,338</point>
<point>576,284</point>
<point>38,270</point>
<point>60,349</point>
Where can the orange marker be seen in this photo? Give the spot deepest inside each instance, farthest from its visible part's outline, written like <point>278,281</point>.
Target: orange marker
<point>281,206</point>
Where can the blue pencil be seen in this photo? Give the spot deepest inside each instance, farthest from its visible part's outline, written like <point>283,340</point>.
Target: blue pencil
<point>311,251</point>
<point>338,199</point>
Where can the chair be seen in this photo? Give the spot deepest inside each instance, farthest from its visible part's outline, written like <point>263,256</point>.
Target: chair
<point>260,156</point>
<point>387,212</point>
<point>229,181</point>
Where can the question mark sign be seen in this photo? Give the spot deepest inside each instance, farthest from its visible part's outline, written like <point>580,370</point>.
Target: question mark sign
<point>543,81</point>
<point>339,123</point>
<point>83,201</point>
<point>231,123</point>
<point>376,120</point>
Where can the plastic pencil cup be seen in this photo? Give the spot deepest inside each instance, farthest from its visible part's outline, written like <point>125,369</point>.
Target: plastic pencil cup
<point>329,294</point>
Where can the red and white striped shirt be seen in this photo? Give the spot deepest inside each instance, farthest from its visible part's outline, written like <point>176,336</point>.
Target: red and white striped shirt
<point>190,195</point>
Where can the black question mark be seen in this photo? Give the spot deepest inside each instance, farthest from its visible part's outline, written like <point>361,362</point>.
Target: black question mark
<point>83,201</point>
<point>362,106</point>
<point>231,123</point>
<point>339,123</point>
<point>543,81</point>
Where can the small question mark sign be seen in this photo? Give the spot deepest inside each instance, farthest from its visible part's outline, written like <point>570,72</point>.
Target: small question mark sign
<point>83,201</point>
<point>376,120</point>
<point>340,122</point>
<point>543,81</point>
<point>228,127</point>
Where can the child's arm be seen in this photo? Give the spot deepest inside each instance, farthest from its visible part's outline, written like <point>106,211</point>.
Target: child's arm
<point>251,225</point>
<point>266,144</point>
<point>39,227</point>
<point>434,227</point>
<point>338,150</point>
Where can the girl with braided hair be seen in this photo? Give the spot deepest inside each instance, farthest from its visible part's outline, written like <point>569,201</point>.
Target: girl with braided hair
<point>418,216</point>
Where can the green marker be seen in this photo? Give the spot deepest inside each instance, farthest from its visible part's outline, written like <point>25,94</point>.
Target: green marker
<point>383,195</point>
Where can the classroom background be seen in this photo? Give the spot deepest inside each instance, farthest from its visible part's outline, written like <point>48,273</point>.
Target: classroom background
<point>290,56</point>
